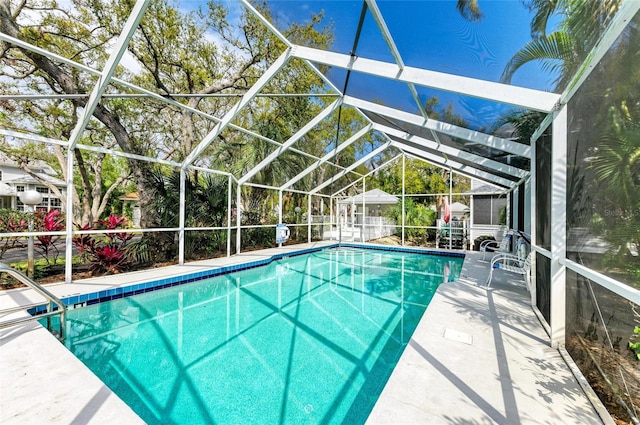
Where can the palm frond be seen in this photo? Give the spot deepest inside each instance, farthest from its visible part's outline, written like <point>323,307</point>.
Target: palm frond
<point>469,9</point>
<point>554,50</point>
<point>543,10</point>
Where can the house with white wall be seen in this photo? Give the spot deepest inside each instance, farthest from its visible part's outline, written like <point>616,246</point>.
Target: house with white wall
<point>487,201</point>
<point>14,180</point>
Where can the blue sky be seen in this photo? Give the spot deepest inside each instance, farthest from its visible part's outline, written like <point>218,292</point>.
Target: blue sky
<point>429,34</point>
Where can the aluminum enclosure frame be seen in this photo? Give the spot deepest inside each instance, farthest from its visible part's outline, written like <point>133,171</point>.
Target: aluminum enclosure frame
<point>553,104</point>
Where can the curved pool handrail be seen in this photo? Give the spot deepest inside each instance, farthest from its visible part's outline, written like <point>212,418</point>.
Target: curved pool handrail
<point>51,300</point>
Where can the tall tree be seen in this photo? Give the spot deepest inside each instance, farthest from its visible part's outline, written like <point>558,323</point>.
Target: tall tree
<point>173,52</point>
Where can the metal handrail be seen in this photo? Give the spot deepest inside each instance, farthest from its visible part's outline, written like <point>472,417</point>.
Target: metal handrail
<point>51,300</point>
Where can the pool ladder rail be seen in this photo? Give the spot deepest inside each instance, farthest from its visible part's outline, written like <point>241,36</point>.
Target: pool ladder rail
<point>55,307</point>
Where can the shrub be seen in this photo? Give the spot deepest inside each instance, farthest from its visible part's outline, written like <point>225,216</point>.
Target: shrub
<point>12,221</point>
<point>107,253</point>
<point>416,214</point>
<point>52,221</point>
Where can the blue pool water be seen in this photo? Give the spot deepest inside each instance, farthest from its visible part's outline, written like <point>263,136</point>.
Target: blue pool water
<point>306,339</point>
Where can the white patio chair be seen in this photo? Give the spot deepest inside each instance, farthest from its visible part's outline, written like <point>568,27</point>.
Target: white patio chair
<point>512,263</point>
<point>490,245</point>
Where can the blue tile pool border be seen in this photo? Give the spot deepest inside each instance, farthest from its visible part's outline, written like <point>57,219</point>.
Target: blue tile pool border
<point>83,300</point>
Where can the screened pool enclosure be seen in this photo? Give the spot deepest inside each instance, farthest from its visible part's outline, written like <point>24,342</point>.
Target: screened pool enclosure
<point>215,123</point>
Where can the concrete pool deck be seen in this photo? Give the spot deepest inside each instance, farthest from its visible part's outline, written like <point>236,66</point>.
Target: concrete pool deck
<point>478,356</point>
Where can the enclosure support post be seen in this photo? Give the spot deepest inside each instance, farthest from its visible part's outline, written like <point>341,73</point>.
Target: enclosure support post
<point>181,219</point>
<point>515,193</point>
<point>279,212</point>
<point>362,228</point>
<point>450,202</point>
<point>309,217</point>
<point>68,263</point>
<point>534,218</point>
<point>403,170</point>
<point>238,217</point>
<point>86,115</point>
<point>331,217</point>
<point>229,192</point>
<point>558,226</point>
<point>353,220</point>
<point>472,217</point>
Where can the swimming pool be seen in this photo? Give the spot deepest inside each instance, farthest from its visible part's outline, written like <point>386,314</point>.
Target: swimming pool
<point>307,339</point>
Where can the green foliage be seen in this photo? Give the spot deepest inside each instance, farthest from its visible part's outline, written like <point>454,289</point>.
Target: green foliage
<point>562,52</point>
<point>469,9</point>
<point>634,344</point>
<point>206,198</point>
<point>420,177</point>
<point>524,122</point>
<point>502,215</point>
<point>137,251</point>
<point>443,113</point>
<point>416,214</point>
<point>207,51</point>
<point>41,268</point>
<point>12,221</point>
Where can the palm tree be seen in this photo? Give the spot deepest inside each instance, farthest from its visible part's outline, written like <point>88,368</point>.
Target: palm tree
<point>562,51</point>
<point>469,9</point>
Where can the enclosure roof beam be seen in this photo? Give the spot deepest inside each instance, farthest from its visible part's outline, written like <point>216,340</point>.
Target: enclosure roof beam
<point>231,114</point>
<point>386,164</point>
<point>353,166</point>
<point>145,95</point>
<point>109,68</point>
<point>284,39</point>
<point>292,140</point>
<point>273,142</point>
<point>144,92</point>
<point>100,149</point>
<point>503,93</point>
<point>455,165</point>
<point>441,127</point>
<point>329,155</point>
<point>450,151</point>
<point>386,34</point>
<point>500,189</point>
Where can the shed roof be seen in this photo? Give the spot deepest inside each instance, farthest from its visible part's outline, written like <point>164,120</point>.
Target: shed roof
<point>374,196</point>
<point>458,207</point>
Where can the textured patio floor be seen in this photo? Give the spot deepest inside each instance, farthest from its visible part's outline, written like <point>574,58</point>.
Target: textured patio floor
<point>477,357</point>
<point>481,356</point>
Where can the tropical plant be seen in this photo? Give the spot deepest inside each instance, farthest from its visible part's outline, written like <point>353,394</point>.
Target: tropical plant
<point>105,252</point>
<point>562,51</point>
<point>51,221</point>
<point>206,197</point>
<point>416,214</point>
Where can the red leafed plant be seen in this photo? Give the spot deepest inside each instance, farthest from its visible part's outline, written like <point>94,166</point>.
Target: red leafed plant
<point>52,221</point>
<point>109,258</point>
<point>105,252</point>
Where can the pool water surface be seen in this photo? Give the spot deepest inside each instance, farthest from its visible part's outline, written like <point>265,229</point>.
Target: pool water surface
<point>306,339</point>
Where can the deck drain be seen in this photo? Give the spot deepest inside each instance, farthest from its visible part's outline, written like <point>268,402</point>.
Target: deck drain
<point>458,336</point>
